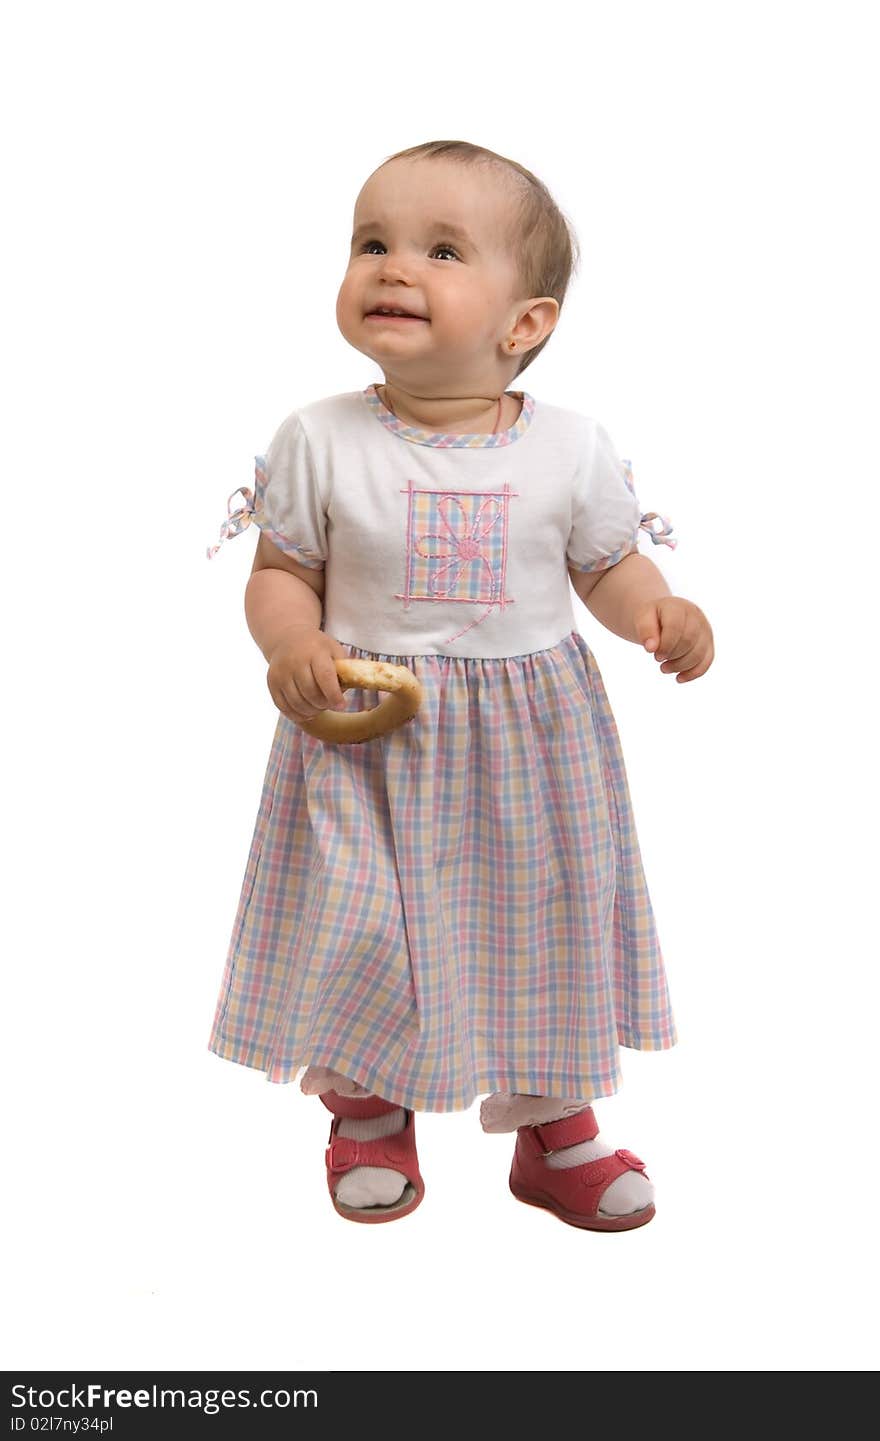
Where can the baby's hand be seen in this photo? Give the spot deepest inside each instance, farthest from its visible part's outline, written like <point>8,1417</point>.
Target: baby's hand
<point>679,635</point>
<point>302,678</point>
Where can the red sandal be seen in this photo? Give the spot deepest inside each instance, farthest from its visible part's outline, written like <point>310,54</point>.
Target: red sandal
<point>397,1152</point>
<point>573,1195</point>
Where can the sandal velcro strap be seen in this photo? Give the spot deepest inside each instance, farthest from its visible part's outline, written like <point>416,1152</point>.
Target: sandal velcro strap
<point>342,1154</point>
<point>568,1131</point>
<point>396,1152</point>
<point>362,1108</point>
<point>596,1176</point>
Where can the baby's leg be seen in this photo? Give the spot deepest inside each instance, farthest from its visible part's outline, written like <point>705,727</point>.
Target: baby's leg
<point>319,1078</point>
<point>363,1185</point>
<point>505,1112</point>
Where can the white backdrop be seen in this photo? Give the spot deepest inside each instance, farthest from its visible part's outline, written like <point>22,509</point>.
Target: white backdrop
<point>181,180</point>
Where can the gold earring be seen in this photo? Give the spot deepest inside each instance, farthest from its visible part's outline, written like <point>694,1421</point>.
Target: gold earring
<point>512,344</point>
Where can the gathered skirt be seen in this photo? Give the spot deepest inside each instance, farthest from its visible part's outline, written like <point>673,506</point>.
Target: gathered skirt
<point>457,907</point>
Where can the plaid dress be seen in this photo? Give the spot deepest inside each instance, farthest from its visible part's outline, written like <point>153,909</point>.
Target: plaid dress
<point>459,906</point>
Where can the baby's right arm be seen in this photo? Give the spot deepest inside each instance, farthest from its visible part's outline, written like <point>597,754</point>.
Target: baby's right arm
<point>283,605</point>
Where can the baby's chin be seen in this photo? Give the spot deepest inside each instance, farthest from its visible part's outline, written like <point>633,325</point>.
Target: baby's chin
<point>376,346</point>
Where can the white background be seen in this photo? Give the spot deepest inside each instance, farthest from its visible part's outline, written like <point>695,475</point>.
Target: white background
<point>180,180</point>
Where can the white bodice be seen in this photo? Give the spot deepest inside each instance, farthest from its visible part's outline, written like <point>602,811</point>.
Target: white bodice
<point>445,544</point>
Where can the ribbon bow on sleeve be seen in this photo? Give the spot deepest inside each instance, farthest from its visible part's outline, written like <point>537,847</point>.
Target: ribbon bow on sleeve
<point>661,536</point>
<point>237,520</point>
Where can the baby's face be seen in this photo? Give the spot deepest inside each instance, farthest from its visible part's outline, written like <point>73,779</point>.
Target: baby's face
<point>409,252</point>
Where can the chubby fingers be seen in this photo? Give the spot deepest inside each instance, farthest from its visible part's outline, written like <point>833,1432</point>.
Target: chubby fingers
<point>307,690</point>
<point>686,646</point>
<point>326,680</point>
<point>647,626</point>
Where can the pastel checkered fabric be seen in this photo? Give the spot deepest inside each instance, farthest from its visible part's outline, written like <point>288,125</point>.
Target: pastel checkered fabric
<point>456,908</point>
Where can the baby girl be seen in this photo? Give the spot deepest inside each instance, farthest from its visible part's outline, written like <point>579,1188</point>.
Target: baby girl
<point>456,908</point>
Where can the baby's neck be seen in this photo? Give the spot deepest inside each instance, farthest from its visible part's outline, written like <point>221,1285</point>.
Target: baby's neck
<point>453,415</point>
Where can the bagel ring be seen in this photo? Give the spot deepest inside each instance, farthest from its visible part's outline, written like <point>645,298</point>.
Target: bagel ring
<point>353,727</point>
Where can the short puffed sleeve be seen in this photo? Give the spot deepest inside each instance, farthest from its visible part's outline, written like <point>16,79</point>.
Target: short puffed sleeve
<point>606,516</point>
<point>287,501</point>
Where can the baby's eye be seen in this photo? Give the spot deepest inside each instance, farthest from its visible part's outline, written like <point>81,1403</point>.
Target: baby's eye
<point>368,245</point>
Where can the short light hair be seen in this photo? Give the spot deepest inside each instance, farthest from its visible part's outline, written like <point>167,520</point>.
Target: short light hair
<point>542,241</point>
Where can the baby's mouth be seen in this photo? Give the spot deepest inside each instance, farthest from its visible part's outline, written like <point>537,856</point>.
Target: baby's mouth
<point>396,318</point>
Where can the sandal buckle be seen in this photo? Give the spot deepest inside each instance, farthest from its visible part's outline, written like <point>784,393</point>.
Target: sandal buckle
<point>341,1154</point>
<point>634,1162</point>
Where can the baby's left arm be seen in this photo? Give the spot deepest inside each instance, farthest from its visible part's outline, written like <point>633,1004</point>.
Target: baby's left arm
<point>633,600</point>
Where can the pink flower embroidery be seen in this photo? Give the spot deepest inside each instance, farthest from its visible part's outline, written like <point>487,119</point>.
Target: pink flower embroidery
<point>472,544</point>
<point>461,545</point>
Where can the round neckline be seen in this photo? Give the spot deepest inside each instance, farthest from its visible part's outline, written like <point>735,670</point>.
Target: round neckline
<point>449,440</point>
